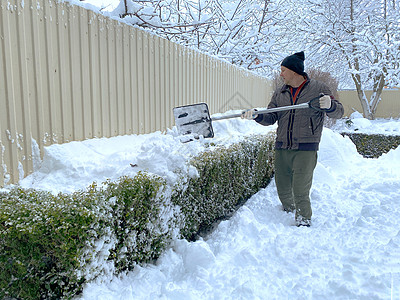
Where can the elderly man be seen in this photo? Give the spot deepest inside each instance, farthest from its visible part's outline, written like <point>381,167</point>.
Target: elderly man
<point>298,134</point>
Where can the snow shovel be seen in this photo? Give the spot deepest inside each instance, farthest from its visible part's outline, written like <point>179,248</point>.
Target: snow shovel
<point>195,119</point>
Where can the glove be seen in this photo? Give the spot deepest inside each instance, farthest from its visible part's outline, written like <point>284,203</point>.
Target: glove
<point>249,114</point>
<point>325,102</point>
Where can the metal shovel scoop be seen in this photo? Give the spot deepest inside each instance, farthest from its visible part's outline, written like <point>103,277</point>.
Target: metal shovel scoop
<point>195,119</point>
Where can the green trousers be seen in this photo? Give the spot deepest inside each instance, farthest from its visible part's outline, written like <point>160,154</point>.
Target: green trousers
<point>293,176</point>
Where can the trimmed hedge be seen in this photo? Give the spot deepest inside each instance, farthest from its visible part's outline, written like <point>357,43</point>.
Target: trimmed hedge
<point>373,145</point>
<point>50,245</point>
<point>41,237</point>
<point>227,178</point>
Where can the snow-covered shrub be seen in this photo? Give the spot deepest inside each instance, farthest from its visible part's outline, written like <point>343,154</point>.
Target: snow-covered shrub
<point>143,219</point>
<point>50,245</point>
<point>227,178</point>
<point>42,238</point>
<point>373,145</point>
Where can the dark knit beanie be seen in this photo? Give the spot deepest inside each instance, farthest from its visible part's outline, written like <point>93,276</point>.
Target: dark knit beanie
<point>295,62</point>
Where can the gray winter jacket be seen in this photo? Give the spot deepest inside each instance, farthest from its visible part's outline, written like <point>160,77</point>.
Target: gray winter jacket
<point>300,128</point>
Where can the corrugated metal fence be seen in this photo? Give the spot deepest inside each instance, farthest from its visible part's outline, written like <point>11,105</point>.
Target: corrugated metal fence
<point>68,74</point>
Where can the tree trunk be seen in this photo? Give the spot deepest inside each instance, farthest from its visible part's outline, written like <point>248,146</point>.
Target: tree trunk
<point>377,92</point>
<point>368,114</point>
<point>363,98</point>
<point>369,107</point>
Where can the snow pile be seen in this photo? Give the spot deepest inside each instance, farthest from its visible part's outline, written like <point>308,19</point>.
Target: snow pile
<point>352,250</point>
<point>357,123</point>
<point>75,165</point>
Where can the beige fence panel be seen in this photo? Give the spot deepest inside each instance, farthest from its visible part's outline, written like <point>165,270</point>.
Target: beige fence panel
<point>389,107</point>
<point>69,74</point>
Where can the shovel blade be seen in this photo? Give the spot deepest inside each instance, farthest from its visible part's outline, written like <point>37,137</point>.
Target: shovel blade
<point>194,119</point>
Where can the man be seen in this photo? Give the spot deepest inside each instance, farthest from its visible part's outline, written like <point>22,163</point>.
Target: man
<point>298,134</point>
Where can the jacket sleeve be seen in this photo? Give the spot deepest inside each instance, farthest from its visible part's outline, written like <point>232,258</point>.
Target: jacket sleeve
<point>268,118</point>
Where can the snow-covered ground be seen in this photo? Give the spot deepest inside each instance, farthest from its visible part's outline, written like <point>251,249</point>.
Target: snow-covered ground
<point>352,250</point>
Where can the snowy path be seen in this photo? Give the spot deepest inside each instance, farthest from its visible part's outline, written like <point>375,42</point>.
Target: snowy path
<point>352,251</point>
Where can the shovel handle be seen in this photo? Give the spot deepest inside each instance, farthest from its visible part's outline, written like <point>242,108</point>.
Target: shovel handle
<point>309,104</point>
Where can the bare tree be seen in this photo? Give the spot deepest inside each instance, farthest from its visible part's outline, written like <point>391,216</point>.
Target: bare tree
<point>243,32</point>
<point>356,37</point>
